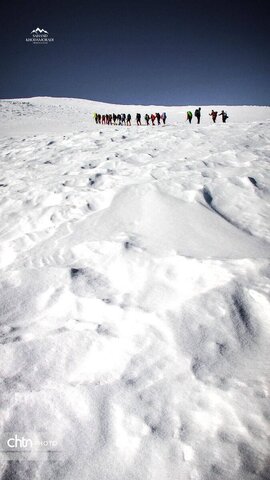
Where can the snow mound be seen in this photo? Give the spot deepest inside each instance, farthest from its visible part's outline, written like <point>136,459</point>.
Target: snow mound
<point>161,223</point>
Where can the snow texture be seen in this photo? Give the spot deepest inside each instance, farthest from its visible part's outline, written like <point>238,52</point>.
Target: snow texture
<point>135,292</point>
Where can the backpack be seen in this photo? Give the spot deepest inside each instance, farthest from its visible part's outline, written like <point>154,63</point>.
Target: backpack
<point>189,114</point>
<point>197,112</point>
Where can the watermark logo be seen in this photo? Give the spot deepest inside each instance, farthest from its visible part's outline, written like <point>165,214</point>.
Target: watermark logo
<point>39,30</point>
<point>39,36</point>
<point>17,444</point>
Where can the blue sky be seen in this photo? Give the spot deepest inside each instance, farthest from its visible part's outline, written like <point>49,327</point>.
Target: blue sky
<point>150,52</point>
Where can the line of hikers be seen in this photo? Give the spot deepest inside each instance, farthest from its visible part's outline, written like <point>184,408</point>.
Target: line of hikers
<point>213,114</point>
<point>123,119</point>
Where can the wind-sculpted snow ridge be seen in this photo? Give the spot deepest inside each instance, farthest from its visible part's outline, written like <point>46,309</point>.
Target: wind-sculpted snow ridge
<point>134,295</point>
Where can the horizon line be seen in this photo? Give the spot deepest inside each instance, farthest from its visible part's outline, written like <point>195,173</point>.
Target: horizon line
<point>140,104</point>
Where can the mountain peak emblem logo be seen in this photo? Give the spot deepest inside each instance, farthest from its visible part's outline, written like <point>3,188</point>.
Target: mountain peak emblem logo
<point>39,30</point>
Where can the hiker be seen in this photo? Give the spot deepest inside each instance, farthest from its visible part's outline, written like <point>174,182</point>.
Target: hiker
<point>189,116</point>
<point>213,114</point>
<point>224,116</point>
<point>103,119</point>
<point>147,118</point>
<point>109,119</point>
<point>123,118</point>
<point>158,118</point>
<point>119,119</point>
<point>164,116</point>
<point>138,119</point>
<point>114,118</point>
<point>198,114</point>
<point>129,119</point>
<point>153,117</point>
<point>95,116</point>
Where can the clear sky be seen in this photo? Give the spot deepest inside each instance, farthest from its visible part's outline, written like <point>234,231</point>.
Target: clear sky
<point>144,52</point>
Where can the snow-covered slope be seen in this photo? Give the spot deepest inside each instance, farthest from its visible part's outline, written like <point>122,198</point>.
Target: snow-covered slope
<point>62,115</point>
<point>135,293</point>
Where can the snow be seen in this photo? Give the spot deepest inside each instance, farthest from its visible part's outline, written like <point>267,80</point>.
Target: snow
<point>135,292</point>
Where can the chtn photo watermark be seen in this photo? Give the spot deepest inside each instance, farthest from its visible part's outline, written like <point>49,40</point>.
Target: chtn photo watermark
<point>39,36</point>
<point>27,443</point>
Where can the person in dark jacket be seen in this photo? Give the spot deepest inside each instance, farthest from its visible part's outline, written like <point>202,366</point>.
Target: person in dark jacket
<point>138,119</point>
<point>198,114</point>
<point>224,116</point>
<point>158,118</point>
<point>129,119</point>
<point>147,118</point>
<point>164,116</point>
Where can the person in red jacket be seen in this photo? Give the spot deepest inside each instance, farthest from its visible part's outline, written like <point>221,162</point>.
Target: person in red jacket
<point>213,114</point>
<point>153,118</point>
